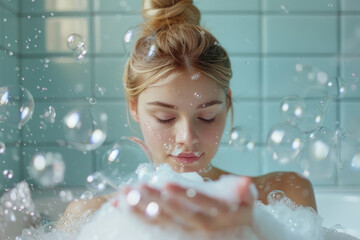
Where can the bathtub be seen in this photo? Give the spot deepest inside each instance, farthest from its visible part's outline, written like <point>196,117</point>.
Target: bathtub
<point>335,205</point>
<point>340,205</point>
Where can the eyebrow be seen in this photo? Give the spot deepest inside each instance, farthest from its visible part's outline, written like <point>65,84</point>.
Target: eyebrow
<point>165,105</point>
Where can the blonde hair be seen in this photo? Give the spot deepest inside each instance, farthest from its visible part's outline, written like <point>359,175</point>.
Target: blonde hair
<point>173,40</point>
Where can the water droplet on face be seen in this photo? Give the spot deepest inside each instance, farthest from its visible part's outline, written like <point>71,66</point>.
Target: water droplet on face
<point>47,169</point>
<point>195,76</point>
<point>197,95</point>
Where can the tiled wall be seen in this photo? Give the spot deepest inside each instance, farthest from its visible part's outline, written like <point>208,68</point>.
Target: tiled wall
<point>265,39</point>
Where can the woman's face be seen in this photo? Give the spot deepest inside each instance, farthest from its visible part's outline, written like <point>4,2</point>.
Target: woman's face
<point>182,118</point>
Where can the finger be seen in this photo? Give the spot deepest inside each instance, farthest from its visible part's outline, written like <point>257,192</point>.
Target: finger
<point>205,203</point>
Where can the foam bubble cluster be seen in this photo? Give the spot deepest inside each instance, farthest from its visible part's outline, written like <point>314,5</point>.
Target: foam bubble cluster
<point>281,219</point>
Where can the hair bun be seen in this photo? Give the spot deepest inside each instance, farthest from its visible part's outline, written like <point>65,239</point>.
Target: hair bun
<point>160,13</point>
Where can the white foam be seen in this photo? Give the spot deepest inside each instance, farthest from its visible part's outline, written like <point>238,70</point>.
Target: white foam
<point>280,221</point>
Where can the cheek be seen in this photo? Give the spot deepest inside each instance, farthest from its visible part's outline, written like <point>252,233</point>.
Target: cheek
<point>154,136</point>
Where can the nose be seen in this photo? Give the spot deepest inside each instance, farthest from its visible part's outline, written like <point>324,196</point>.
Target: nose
<point>186,133</point>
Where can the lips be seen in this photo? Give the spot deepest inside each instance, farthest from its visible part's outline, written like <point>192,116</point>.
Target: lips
<point>186,158</point>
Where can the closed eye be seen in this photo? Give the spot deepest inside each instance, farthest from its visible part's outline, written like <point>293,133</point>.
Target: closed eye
<point>211,120</point>
<point>165,121</point>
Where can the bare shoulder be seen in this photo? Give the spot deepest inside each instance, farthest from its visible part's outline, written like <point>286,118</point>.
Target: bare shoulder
<point>296,187</point>
<point>78,210</point>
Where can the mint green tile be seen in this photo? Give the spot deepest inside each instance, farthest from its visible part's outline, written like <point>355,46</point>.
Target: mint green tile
<point>237,162</point>
<point>290,6</point>
<point>246,116</point>
<point>58,77</point>
<point>227,5</point>
<point>350,73</point>
<point>1,26</point>
<point>349,149</point>
<point>9,134</point>
<point>300,34</point>
<point>110,31</point>
<point>77,164</point>
<point>118,6</point>
<point>40,130</point>
<point>272,116</point>
<point>44,6</point>
<point>350,34</point>
<point>10,160</point>
<point>322,173</point>
<point>236,33</point>
<point>282,79</point>
<point>350,117</point>
<point>108,77</point>
<point>49,34</point>
<point>9,36</point>
<point>245,82</point>
<point>12,4</point>
<point>350,5</point>
<point>118,125</point>
<point>9,69</point>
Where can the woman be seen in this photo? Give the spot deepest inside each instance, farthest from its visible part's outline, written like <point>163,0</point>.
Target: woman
<point>177,87</point>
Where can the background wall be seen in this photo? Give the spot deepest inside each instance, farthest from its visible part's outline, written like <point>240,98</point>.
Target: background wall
<point>266,40</point>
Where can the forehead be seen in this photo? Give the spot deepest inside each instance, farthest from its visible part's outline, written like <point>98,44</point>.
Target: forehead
<point>184,85</point>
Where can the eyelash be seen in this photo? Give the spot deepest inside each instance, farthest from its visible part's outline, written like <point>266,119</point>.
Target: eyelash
<point>167,121</point>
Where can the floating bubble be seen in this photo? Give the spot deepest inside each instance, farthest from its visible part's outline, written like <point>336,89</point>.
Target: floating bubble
<point>47,169</point>
<point>320,142</point>
<point>87,195</point>
<point>8,173</point>
<point>339,228</point>
<point>85,129</point>
<point>284,142</point>
<point>348,150</point>
<point>75,41</point>
<point>92,100</point>
<point>129,39</point>
<point>239,139</point>
<point>122,159</point>
<point>2,147</point>
<point>49,115</point>
<point>66,196</point>
<point>80,53</point>
<point>275,196</point>
<point>292,109</point>
<point>16,105</point>
<point>317,104</point>
<point>96,182</point>
<point>316,160</point>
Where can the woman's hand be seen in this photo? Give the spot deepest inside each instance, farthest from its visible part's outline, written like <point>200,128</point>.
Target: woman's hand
<point>192,210</point>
